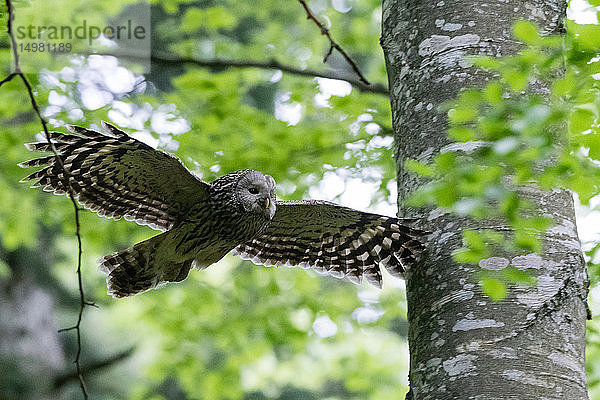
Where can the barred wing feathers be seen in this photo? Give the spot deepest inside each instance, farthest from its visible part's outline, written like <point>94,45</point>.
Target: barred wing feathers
<point>118,176</point>
<point>335,240</point>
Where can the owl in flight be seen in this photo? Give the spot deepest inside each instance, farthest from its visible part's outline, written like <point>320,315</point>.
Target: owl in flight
<point>118,176</point>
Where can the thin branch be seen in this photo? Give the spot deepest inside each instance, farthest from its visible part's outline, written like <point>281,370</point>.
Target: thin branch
<point>332,43</point>
<point>70,328</point>
<point>93,367</point>
<point>7,79</point>
<point>377,88</point>
<point>34,105</point>
<point>225,63</point>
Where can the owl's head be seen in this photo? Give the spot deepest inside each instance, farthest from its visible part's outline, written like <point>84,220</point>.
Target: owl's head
<point>256,193</point>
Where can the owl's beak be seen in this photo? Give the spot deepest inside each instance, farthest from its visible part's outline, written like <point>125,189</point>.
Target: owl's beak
<point>267,202</point>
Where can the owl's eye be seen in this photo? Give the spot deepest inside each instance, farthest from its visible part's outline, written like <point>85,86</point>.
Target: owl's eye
<point>253,190</point>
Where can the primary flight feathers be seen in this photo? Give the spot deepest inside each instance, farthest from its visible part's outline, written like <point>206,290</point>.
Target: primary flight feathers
<point>118,176</point>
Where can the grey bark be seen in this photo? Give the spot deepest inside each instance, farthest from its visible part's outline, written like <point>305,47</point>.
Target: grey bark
<point>463,345</point>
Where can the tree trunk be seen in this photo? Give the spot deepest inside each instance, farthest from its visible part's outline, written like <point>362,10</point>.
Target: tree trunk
<point>464,345</point>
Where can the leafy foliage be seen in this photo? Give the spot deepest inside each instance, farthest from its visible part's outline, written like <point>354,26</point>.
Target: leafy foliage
<point>225,331</point>
<point>512,133</point>
<point>238,331</point>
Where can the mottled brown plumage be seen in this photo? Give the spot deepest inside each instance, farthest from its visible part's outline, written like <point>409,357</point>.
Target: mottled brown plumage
<point>117,176</point>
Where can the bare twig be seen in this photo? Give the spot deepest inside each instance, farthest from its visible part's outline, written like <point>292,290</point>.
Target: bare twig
<point>70,328</point>
<point>34,105</point>
<point>93,367</point>
<point>332,43</point>
<point>224,63</point>
<point>7,79</point>
<point>377,88</point>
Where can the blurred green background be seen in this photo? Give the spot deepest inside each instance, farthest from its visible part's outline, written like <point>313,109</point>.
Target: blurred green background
<point>234,330</point>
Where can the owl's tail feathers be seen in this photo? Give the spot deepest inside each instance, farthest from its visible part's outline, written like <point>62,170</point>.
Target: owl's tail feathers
<point>133,271</point>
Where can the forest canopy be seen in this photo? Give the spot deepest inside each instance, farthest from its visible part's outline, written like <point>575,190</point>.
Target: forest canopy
<point>231,85</point>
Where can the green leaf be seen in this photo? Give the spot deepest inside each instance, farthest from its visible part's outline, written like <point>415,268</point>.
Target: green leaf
<point>5,271</point>
<point>527,242</point>
<point>490,63</point>
<point>467,256</point>
<point>494,288</point>
<point>192,20</point>
<point>562,87</point>
<point>581,120</point>
<point>462,114</point>
<point>586,36</point>
<point>474,240</point>
<point>445,161</point>
<point>211,18</point>
<point>526,32</point>
<point>515,275</point>
<point>584,188</point>
<point>518,80</point>
<point>462,134</point>
<point>419,167</point>
<point>445,194</point>
<point>494,93</point>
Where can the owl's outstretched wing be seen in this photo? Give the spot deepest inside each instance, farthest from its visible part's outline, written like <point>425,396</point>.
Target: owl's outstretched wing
<point>118,176</point>
<point>335,240</point>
